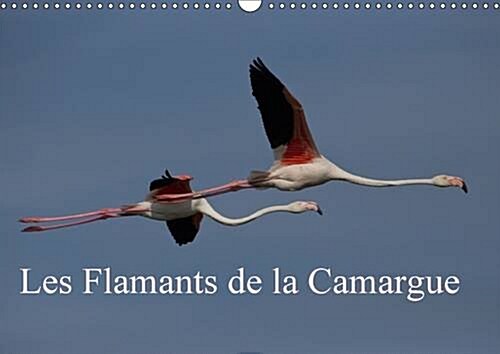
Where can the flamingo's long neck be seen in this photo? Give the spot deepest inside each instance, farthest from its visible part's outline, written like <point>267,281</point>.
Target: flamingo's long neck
<point>339,174</point>
<point>205,208</point>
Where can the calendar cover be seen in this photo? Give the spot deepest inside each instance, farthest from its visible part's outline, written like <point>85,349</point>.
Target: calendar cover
<point>247,176</point>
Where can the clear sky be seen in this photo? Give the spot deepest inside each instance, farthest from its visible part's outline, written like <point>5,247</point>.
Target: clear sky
<point>95,104</point>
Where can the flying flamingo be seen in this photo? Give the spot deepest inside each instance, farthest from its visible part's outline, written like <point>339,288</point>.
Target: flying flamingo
<point>297,161</point>
<point>183,218</point>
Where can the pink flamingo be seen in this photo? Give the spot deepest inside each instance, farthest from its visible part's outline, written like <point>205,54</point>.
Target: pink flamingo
<point>297,162</point>
<point>183,218</point>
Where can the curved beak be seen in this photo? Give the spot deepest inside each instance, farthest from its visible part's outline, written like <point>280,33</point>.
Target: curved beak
<point>464,188</point>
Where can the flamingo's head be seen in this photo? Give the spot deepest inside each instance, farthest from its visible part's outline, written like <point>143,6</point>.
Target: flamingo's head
<point>301,207</point>
<point>449,181</point>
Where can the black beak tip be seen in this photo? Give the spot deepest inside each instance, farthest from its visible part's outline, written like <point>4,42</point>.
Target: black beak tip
<point>465,189</point>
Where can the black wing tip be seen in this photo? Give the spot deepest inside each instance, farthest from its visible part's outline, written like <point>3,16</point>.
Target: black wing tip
<point>258,65</point>
<point>164,180</point>
<point>260,72</point>
<point>181,243</point>
<point>183,230</point>
<point>258,61</point>
<point>167,174</point>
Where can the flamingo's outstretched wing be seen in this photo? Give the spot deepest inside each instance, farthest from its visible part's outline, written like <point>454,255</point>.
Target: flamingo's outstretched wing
<point>283,117</point>
<point>184,230</point>
<point>170,185</point>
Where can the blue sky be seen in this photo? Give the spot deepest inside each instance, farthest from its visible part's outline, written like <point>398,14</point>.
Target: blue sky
<point>94,105</point>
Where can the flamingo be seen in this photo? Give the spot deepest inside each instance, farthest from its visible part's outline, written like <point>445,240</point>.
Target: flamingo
<point>298,164</point>
<point>183,218</point>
